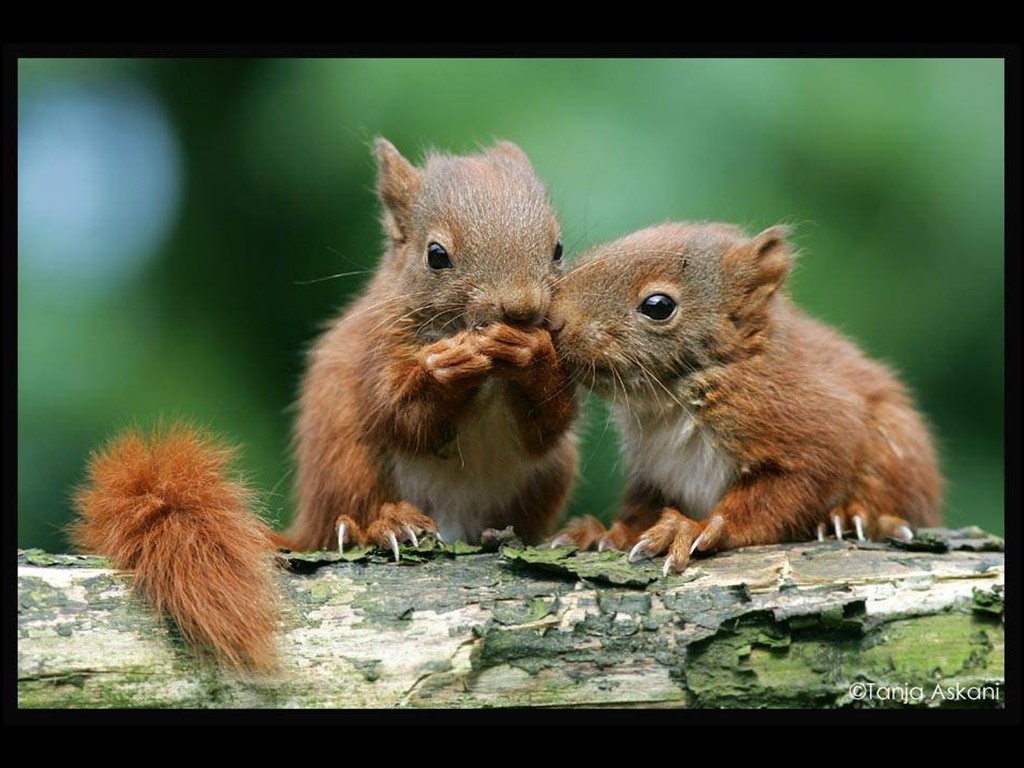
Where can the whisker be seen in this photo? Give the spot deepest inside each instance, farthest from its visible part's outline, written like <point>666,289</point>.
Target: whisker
<point>580,268</point>
<point>342,256</point>
<point>656,380</point>
<point>443,309</point>
<point>390,322</point>
<point>332,277</point>
<point>646,374</point>
<point>454,319</point>
<point>385,303</point>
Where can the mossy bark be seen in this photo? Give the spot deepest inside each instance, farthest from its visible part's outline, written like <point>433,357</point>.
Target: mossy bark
<point>802,625</point>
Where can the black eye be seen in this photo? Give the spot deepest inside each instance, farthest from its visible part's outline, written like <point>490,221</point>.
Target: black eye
<point>657,306</point>
<point>557,256</point>
<point>437,257</point>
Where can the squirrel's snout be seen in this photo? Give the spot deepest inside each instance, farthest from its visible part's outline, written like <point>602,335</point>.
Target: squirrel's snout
<point>525,307</point>
<point>521,315</point>
<point>555,320</point>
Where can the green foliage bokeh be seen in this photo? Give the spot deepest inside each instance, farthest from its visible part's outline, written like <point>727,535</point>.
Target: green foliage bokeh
<point>890,170</point>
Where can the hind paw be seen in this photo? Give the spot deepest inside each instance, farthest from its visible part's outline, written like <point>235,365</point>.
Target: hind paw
<point>678,537</point>
<point>895,528</point>
<point>856,522</point>
<point>401,522</point>
<point>589,533</point>
<point>348,532</point>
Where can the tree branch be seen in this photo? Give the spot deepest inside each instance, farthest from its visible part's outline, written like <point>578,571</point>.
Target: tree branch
<point>792,625</point>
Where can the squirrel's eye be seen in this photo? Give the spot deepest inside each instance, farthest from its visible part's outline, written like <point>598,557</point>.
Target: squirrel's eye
<point>657,306</point>
<point>437,257</point>
<point>557,256</point>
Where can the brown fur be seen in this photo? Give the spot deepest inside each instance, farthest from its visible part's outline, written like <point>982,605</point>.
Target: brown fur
<point>814,429</point>
<point>166,507</point>
<point>398,377</point>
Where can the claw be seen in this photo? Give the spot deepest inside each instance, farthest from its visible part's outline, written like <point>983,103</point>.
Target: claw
<point>696,543</point>
<point>560,541</point>
<point>600,546</point>
<point>412,536</point>
<point>394,546</point>
<point>821,531</point>
<point>341,537</point>
<point>668,565</point>
<point>858,524</point>
<point>639,551</point>
<point>439,537</point>
<point>906,532</point>
<point>838,527</point>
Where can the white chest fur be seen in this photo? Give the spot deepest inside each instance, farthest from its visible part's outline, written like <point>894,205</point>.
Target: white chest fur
<point>468,487</point>
<point>671,452</point>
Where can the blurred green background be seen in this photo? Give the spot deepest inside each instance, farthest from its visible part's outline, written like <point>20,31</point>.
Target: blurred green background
<point>175,218</point>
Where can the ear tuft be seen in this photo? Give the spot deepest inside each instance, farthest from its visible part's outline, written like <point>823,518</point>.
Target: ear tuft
<point>511,151</point>
<point>759,266</point>
<point>772,237</point>
<point>398,183</point>
<point>772,256</point>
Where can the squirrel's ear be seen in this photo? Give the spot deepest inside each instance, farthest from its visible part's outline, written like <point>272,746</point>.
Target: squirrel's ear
<point>511,151</point>
<point>398,183</point>
<point>760,266</point>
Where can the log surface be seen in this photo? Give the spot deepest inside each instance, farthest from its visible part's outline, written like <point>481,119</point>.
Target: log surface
<point>828,624</point>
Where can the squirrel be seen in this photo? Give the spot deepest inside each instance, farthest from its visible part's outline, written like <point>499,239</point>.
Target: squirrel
<point>435,402</point>
<point>744,420</point>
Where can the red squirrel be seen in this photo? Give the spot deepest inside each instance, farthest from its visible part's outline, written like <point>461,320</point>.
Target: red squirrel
<point>435,402</point>
<point>744,421</point>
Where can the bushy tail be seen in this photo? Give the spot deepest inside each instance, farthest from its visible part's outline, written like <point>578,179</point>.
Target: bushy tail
<point>167,507</point>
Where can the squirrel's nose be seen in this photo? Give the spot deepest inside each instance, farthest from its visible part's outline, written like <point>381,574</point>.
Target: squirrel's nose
<point>525,309</point>
<point>521,315</point>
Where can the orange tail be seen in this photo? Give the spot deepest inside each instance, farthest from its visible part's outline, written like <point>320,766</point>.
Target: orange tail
<point>166,507</point>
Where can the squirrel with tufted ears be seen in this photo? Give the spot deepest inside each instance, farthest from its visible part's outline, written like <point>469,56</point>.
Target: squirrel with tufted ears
<point>744,421</point>
<point>435,402</point>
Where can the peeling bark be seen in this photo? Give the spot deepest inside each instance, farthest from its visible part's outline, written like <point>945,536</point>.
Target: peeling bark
<point>798,625</point>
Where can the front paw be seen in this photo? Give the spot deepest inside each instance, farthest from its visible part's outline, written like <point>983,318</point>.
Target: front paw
<point>401,522</point>
<point>514,351</point>
<point>456,360</point>
<point>678,537</point>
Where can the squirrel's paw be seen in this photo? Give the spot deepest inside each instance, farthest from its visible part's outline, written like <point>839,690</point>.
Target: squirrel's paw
<point>399,523</point>
<point>679,537</point>
<point>581,532</point>
<point>895,528</point>
<point>513,350</point>
<point>348,531</point>
<point>841,522</point>
<point>589,533</point>
<point>456,359</point>
<point>854,520</point>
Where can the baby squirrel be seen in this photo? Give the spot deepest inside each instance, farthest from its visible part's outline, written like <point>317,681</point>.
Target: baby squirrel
<point>744,421</point>
<point>434,403</point>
